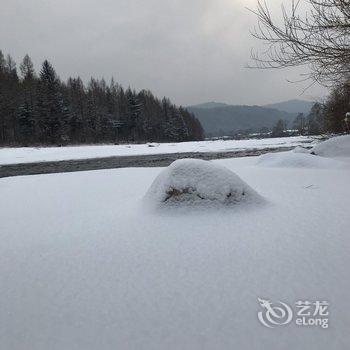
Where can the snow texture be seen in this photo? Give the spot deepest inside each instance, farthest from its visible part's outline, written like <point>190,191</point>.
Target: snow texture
<point>44,154</point>
<point>336,147</point>
<point>193,181</point>
<point>84,266</point>
<point>293,159</point>
<point>300,149</point>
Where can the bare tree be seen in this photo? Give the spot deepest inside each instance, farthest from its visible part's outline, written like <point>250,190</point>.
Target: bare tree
<point>319,38</point>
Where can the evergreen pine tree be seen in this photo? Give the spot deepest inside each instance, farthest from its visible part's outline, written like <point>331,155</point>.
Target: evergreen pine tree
<point>52,109</point>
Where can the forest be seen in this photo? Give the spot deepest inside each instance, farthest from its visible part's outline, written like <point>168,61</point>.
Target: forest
<point>41,109</point>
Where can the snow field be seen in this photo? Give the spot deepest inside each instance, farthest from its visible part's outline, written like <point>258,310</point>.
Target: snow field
<point>84,266</point>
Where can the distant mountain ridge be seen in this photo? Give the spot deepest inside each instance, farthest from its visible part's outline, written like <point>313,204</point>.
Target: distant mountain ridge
<point>220,119</point>
<point>292,106</point>
<point>210,105</point>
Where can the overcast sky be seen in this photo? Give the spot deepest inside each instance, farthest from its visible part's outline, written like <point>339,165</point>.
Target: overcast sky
<point>192,51</point>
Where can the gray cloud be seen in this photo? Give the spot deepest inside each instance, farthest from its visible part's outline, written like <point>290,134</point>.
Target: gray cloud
<point>192,51</point>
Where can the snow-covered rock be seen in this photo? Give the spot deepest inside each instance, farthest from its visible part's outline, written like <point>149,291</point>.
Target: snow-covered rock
<point>300,149</point>
<point>336,147</point>
<point>153,144</point>
<point>193,181</point>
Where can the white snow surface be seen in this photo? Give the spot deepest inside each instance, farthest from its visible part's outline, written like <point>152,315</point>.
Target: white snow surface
<point>333,153</point>
<point>198,182</point>
<point>293,159</point>
<point>84,266</point>
<point>336,147</point>
<point>300,149</point>
<point>42,154</point>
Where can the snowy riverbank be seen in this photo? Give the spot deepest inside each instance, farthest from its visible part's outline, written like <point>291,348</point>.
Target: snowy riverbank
<point>42,154</point>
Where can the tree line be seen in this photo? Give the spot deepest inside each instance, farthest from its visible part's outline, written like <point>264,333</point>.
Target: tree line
<point>40,109</point>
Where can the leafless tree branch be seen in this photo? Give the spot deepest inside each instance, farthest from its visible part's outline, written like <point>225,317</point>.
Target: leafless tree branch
<point>319,38</point>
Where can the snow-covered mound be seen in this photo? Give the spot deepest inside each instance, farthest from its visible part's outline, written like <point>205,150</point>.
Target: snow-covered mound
<point>193,181</point>
<point>293,159</point>
<point>300,149</point>
<point>335,147</point>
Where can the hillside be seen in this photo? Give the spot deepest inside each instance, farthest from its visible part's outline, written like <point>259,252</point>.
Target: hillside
<point>228,120</point>
<point>292,106</point>
<point>210,105</point>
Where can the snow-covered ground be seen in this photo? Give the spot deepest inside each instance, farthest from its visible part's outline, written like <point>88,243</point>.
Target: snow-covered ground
<point>84,266</point>
<point>32,154</point>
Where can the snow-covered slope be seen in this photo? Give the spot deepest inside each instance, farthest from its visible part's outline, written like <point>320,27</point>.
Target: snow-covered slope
<point>298,160</point>
<point>84,266</point>
<point>31,154</point>
<point>333,153</point>
<point>336,147</point>
<point>293,106</point>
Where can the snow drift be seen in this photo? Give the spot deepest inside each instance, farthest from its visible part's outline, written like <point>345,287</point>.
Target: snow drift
<point>293,159</point>
<point>299,149</point>
<point>336,147</point>
<point>300,157</point>
<point>193,181</point>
